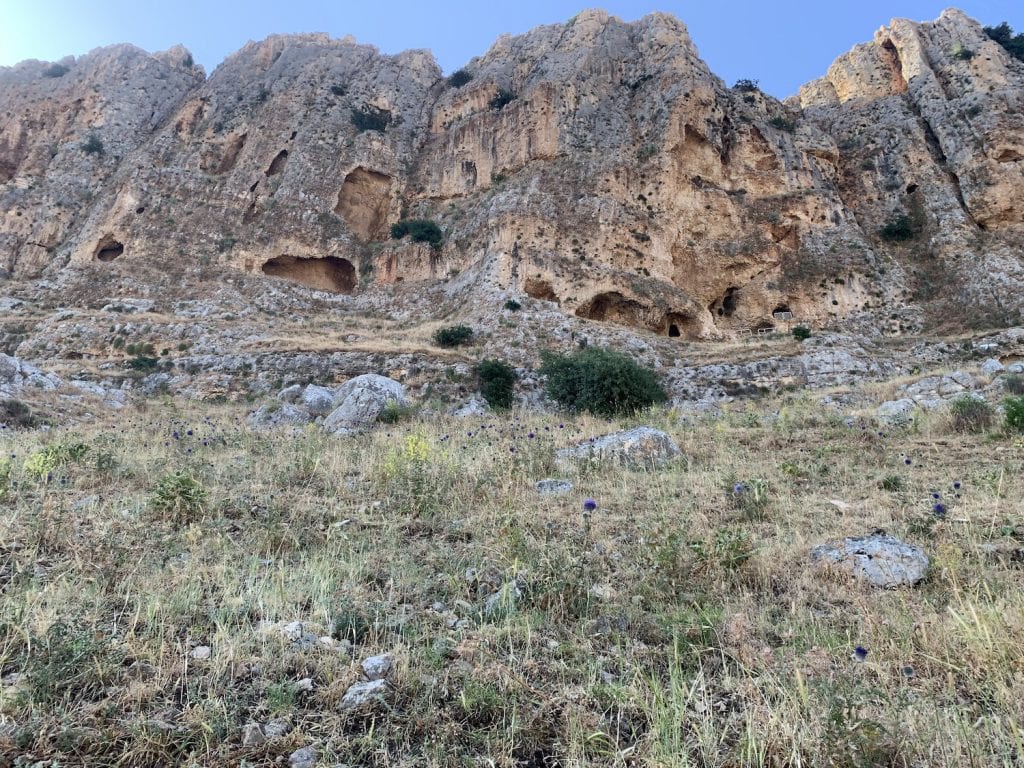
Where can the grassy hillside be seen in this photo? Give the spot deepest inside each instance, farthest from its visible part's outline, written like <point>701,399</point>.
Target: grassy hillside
<point>150,567</point>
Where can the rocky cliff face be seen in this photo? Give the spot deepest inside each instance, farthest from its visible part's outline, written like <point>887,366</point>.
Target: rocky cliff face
<point>596,164</point>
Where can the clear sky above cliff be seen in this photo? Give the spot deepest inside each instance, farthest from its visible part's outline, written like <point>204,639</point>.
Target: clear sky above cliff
<point>783,43</point>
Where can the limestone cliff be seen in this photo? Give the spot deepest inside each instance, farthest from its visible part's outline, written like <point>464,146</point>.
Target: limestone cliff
<point>596,164</point>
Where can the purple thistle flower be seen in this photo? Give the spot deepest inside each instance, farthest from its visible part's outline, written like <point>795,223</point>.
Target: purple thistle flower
<point>939,510</point>
<point>860,653</point>
<point>589,505</point>
<point>957,485</point>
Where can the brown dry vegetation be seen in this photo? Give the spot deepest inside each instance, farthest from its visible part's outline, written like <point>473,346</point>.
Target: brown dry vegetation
<point>682,627</point>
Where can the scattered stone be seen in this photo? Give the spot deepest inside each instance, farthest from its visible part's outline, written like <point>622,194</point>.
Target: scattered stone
<point>504,601</point>
<point>553,487</point>
<point>300,637</point>
<point>16,374</point>
<point>129,306</point>
<point>303,758</point>
<point>273,416</point>
<point>992,367</point>
<point>277,728</point>
<point>878,559</point>
<point>318,400</point>
<point>639,448</point>
<point>377,667</point>
<point>291,394</point>
<point>473,407</point>
<point>305,685</point>
<point>202,652</point>
<point>359,402</point>
<point>361,694</point>
<point>896,412</point>
<point>252,735</point>
<point>1015,368</point>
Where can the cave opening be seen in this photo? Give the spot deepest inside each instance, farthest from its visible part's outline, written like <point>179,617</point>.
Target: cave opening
<point>673,331</point>
<point>329,273</point>
<point>536,288</point>
<point>726,305</point>
<point>109,249</point>
<point>278,163</point>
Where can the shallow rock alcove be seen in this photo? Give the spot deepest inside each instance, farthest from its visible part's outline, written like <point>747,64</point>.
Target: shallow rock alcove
<point>363,202</point>
<point>329,273</point>
<point>108,249</point>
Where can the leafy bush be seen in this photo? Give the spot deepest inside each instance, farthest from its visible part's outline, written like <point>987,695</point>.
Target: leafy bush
<point>801,333</point>
<point>727,550</point>
<point>783,123</point>
<point>969,414</point>
<point>421,230</point>
<point>42,463</point>
<point>72,664</point>
<point>339,90</point>
<point>898,230</point>
<point>1014,384</point>
<point>371,119</point>
<point>962,54</point>
<point>1014,413</point>
<point>750,497</point>
<point>746,85</point>
<point>497,382</point>
<point>180,496</point>
<point>143,363</point>
<point>16,414</point>
<point>1003,34</point>
<point>459,78</point>
<point>513,306</point>
<point>453,336</point>
<point>393,412</point>
<point>93,145</point>
<point>56,70</point>
<point>501,98</point>
<point>602,381</point>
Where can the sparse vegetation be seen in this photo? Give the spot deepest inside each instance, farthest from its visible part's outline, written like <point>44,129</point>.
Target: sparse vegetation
<point>600,381</point>
<point>459,78</point>
<point>900,229</point>
<point>16,414</point>
<point>801,332</point>
<point>453,336</point>
<point>783,123</point>
<point>512,305</point>
<point>497,382</point>
<point>1014,408</point>
<point>746,85</point>
<point>501,98</point>
<point>1003,34</point>
<point>420,230</point>
<point>56,70</point>
<point>93,145</point>
<point>960,53</point>
<point>371,119</point>
<point>971,414</point>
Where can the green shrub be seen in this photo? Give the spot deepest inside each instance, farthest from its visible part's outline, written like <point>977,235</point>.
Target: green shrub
<point>746,85</point>
<point>42,463</point>
<point>393,412</point>
<point>750,497</point>
<point>371,119</point>
<point>1014,384</point>
<point>1014,413</point>
<point>501,98</point>
<point>93,145</point>
<point>513,306</point>
<point>56,70</point>
<point>962,54</point>
<point>1003,34</point>
<point>453,336</point>
<point>801,333</point>
<point>602,381</point>
<point>459,78</point>
<point>16,414</point>
<point>339,90</point>
<point>421,231</point>
<point>497,382</point>
<point>143,363</point>
<point>898,230</point>
<point>72,664</point>
<point>968,414</point>
<point>783,123</point>
<point>180,496</point>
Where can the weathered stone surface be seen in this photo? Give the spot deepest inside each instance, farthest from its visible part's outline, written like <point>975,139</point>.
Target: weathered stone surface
<point>639,448</point>
<point>273,416</point>
<point>317,400</point>
<point>878,560</point>
<point>897,412</point>
<point>992,367</point>
<point>16,375</point>
<point>360,401</point>
<point>305,757</point>
<point>363,694</point>
<point>377,667</point>
<point>553,487</point>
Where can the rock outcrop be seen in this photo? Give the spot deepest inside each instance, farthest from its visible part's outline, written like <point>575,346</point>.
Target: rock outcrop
<point>598,165</point>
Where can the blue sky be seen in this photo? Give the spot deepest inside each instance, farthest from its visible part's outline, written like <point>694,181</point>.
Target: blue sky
<point>783,44</point>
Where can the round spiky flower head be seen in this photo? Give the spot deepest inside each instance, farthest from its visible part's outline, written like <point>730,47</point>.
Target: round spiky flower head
<point>939,509</point>
<point>860,653</point>
<point>589,505</point>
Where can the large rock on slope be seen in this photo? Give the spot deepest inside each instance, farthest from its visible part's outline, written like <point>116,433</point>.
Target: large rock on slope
<point>359,403</point>
<point>878,560</point>
<point>639,448</point>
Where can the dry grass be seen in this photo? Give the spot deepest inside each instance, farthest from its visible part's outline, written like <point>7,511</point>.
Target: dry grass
<point>680,628</point>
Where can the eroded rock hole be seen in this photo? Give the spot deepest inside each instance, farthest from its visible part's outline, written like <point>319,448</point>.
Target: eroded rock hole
<point>911,188</point>
<point>673,331</point>
<point>726,306</point>
<point>364,201</point>
<point>109,249</point>
<point>680,325</point>
<point>614,307</point>
<point>278,163</point>
<point>540,289</point>
<point>329,273</point>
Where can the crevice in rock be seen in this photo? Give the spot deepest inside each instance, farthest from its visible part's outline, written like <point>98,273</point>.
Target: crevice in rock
<point>278,163</point>
<point>939,156</point>
<point>329,273</point>
<point>891,58</point>
<point>725,306</point>
<point>540,289</point>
